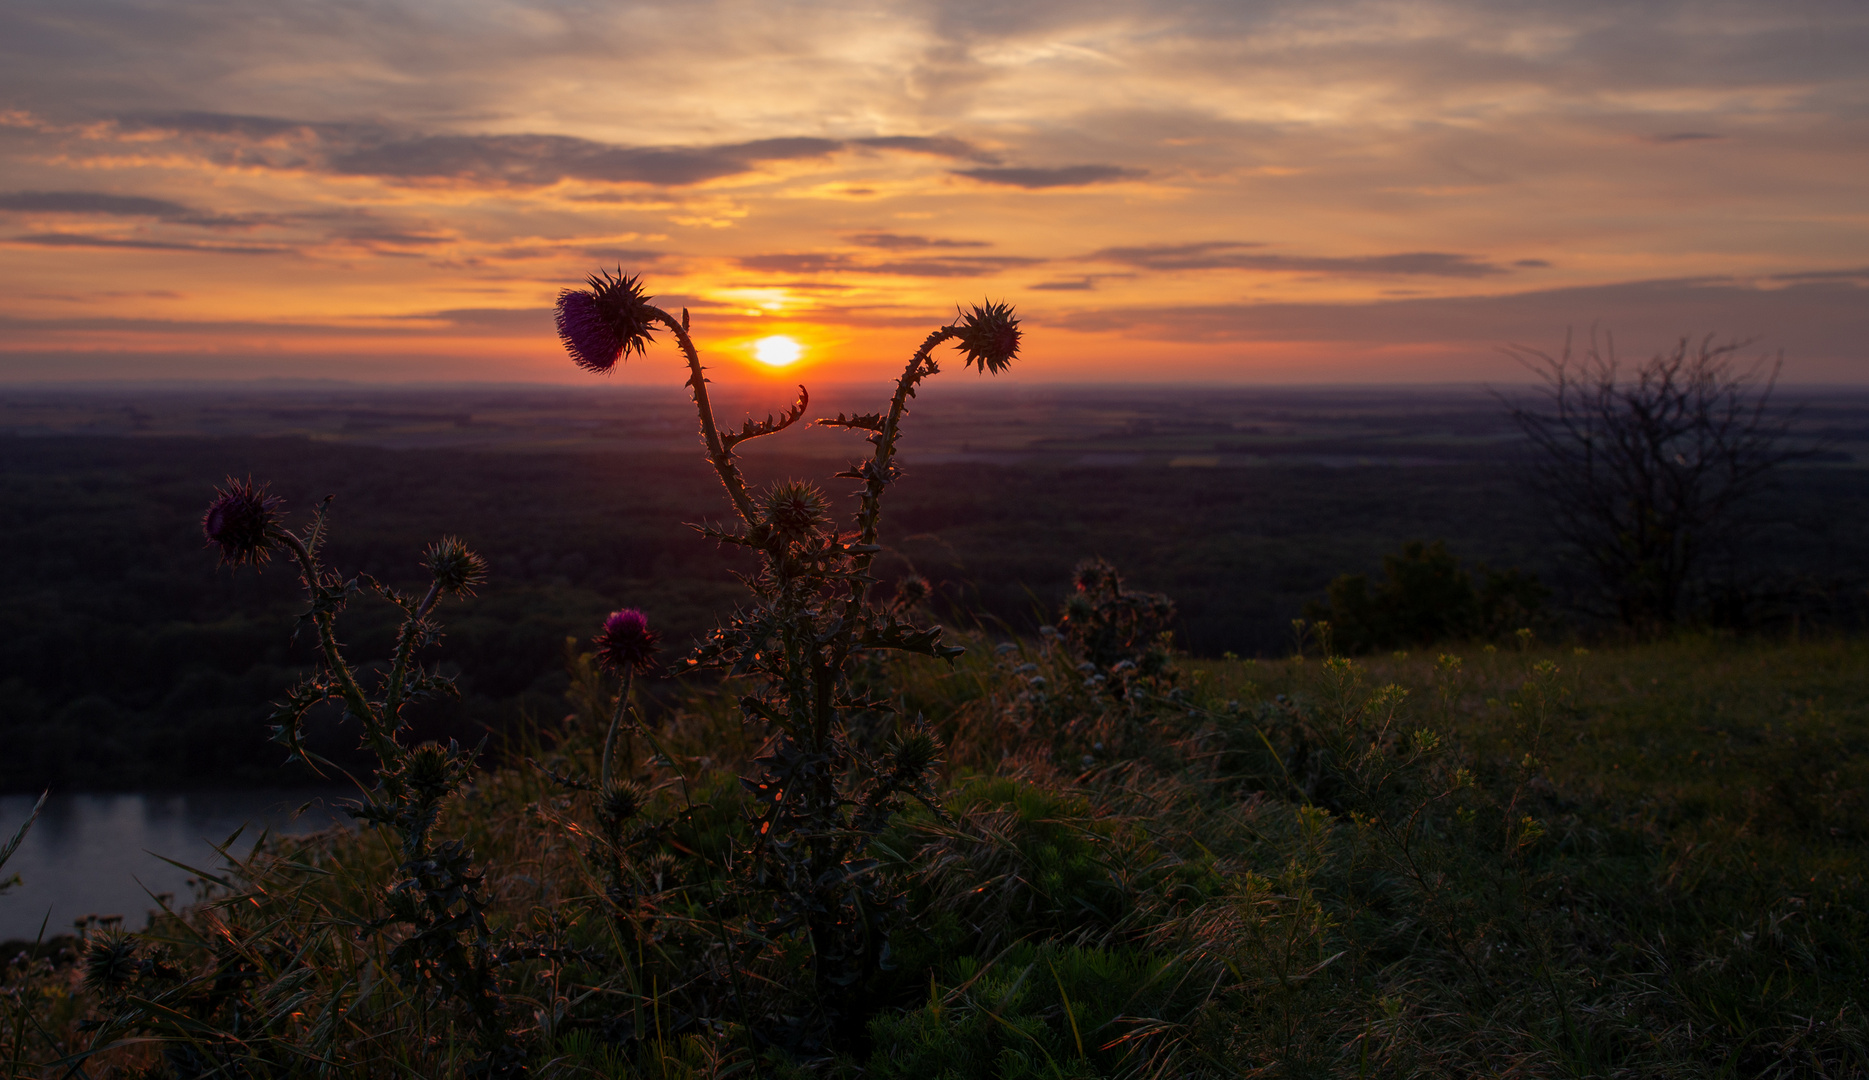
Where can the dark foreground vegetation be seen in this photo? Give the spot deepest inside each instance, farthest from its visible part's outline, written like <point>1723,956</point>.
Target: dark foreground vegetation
<point>837,839</point>
<point>1645,861</point>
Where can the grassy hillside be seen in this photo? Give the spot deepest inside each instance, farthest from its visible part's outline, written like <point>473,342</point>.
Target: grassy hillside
<point>1643,861</point>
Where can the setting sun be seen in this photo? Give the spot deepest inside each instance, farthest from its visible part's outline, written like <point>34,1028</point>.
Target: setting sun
<point>776,351</point>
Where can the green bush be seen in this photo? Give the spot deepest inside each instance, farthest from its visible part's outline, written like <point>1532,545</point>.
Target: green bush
<point>1426,597</point>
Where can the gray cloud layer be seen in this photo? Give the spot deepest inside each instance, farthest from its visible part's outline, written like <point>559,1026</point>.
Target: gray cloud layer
<point>1228,255</point>
<point>1824,321</point>
<point>522,160</point>
<point>944,267</point>
<point>104,204</point>
<point>1068,176</point>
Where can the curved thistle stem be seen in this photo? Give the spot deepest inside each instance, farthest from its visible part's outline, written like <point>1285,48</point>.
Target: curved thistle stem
<point>876,472</point>
<point>409,636</point>
<point>718,452</point>
<point>326,622</point>
<point>616,721</point>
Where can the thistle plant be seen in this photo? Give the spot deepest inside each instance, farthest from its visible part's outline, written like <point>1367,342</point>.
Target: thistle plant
<point>818,796</point>
<point>436,909</point>
<point>1094,690</point>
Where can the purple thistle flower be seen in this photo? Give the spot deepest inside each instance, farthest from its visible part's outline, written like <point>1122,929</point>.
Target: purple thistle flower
<point>626,643</point>
<point>989,335</point>
<point>607,323</point>
<point>240,521</point>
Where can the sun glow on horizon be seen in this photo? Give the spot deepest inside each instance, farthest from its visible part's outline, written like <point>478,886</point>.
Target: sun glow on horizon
<point>777,351</point>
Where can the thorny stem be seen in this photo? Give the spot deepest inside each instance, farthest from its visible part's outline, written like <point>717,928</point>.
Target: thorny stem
<point>718,452</point>
<point>616,720</point>
<point>870,516</point>
<point>326,622</point>
<point>405,650</point>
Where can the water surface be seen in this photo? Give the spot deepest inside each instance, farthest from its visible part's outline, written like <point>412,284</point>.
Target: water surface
<point>96,854</point>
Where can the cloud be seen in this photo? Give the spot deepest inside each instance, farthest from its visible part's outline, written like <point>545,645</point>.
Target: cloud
<point>1816,321</point>
<point>949,267</point>
<point>508,160</point>
<point>1235,255</point>
<point>79,240</point>
<point>622,257</point>
<point>902,242</point>
<point>103,204</point>
<point>795,264</point>
<point>1068,176</point>
<point>542,160</point>
<point>91,202</point>
<point>1079,285</point>
<point>979,266</point>
<point>923,144</point>
<point>1685,136</point>
<point>1861,273</point>
<point>513,322</point>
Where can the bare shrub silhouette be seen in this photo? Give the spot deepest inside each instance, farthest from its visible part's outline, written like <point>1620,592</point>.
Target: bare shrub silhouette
<point>1646,471</point>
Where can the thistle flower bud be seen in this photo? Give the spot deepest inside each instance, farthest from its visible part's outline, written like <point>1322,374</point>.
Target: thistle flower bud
<point>915,752</point>
<point>626,643</point>
<point>989,336</point>
<point>605,323</point>
<point>1096,576</point>
<point>430,769</point>
<point>795,510</point>
<point>912,590</point>
<point>662,870</point>
<point>110,961</point>
<point>621,802</point>
<point>241,521</point>
<point>455,569</point>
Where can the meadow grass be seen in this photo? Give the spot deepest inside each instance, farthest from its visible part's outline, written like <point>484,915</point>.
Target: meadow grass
<point>1642,860</point>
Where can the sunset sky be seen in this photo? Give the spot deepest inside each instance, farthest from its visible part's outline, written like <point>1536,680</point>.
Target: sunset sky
<point>394,190</point>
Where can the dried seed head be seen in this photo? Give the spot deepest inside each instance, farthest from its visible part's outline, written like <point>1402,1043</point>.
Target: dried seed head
<point>241,521</point>
<point>605,323</point>
<point>912,590</point>
<point>622,802</point>
<point>795,510</point>
<point>989,336</point>
<point>456,569</point>
<point>110,961</point>
<point>1094,576</point>
<point>663,870</point>
<point>626,644</point>
<point>430,769</point>
<point>915,752</point>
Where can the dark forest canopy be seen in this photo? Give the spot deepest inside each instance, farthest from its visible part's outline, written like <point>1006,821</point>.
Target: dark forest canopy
<point>128,658</point>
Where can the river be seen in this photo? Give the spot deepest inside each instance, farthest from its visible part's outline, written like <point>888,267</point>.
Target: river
<point>96,854</point>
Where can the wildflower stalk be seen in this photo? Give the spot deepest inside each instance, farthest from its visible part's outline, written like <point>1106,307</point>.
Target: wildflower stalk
<point>610,738</point>
<point>818,800</point>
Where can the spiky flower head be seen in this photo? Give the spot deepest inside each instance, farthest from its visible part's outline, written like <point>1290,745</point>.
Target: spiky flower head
<point>241,521</point>
<point>663,870</point>
<point>621,802</point>
<point>1097,577</point>
<point>605,323</point>
<point>989,336</point>
<point>626,644</point>
<point>912,590</point>
<point>916,751</point>
<point>795,510</point>
<point>110,961</point>
<point>455,569</point>
<point>432,768</point>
